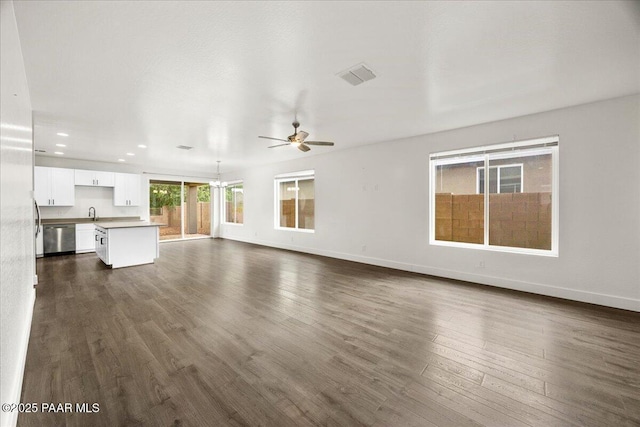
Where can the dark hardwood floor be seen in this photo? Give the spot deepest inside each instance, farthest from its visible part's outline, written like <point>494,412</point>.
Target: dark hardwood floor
<point>225,333</point>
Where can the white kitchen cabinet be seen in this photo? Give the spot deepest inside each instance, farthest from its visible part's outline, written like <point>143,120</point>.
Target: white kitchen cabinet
<point>126,191</point>
<point>94,178</point>
<point>54,186</point>
<point>85,239</point>
<point>101,244</point>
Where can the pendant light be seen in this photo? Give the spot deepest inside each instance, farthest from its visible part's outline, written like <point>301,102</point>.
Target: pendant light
<point>218,183</point>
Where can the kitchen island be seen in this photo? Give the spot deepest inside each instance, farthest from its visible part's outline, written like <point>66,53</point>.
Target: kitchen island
<point>123,244</point>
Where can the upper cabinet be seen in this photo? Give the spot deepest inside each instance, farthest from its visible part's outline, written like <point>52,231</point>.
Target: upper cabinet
<point>126,191</point>
<point>94,178</point>
<point>54,186</point>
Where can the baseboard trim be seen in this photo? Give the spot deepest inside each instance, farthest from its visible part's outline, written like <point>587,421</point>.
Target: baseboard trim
<point>518,285</point>
<point>11,418</point>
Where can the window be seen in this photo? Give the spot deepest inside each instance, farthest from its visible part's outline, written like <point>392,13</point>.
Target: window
<point>295,201</point>
<point>514,210</point>
<point>502,179</point>
<point>234,203</point>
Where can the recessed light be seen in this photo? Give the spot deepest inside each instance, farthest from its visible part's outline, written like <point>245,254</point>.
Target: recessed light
<point>130,154</point>
<point>121,160</point>
<point>142,146</point>
<point>58,152</point>
<point>61,145</point>
<point>62,134</point>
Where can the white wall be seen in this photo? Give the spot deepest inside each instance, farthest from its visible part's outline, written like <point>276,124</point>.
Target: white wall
<point>372,206</point>
<point>64,162</point>
<point>17,252</point>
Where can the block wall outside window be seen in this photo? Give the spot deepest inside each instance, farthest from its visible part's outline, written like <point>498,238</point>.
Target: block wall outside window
<point>460,218</point>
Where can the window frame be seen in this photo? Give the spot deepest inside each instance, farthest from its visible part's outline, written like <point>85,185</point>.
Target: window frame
<point>537,146</point>
<point>224,203</point>
<point>292,177</point>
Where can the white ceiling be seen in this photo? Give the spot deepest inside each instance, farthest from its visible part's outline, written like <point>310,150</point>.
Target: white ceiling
<point>215,75</point>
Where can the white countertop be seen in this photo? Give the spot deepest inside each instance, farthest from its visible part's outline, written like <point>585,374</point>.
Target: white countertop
<point>127,224</point>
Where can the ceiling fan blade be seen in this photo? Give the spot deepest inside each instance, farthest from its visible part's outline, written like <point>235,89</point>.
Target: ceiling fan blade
<point>279,145</point>
<point>275,139</point>
<point>301,136</point>
<point>303,147</point>
<point>327,143</point>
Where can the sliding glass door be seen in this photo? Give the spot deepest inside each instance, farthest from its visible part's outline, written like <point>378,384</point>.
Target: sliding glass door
<point>183,209</point>
<point>197,212</point>
<point>164,208</point>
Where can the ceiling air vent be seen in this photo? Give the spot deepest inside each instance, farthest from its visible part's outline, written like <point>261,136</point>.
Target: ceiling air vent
<point>184,147</point>
<point>357,74</point>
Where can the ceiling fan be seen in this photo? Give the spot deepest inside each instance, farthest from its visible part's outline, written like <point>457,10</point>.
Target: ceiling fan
<point>297,139</point>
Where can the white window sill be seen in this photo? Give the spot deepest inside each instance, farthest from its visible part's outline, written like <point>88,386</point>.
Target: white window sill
<point>301,230</point>
<point>481,247</point>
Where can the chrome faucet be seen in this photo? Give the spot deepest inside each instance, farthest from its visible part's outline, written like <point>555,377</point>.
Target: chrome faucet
<point>94,212</point>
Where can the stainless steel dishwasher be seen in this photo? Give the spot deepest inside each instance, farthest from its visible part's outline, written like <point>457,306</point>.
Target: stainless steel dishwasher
<point>59,239</point>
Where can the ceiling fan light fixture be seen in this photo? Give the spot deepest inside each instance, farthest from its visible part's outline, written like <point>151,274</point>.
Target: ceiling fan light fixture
<point>298,139</point>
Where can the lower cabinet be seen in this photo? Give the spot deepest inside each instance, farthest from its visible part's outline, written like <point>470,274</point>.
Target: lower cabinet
<point>101,244</point>
<point>127,245</point>
<point>85,238</point>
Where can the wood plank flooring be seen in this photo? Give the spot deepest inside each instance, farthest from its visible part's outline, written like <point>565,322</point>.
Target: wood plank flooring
<point>223,333</point>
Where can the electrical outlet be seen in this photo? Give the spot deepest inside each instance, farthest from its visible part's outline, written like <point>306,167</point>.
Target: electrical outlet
<point>364,248</point>
<point>480,264</point>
